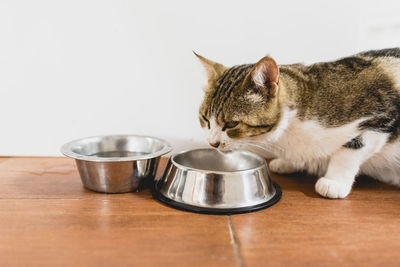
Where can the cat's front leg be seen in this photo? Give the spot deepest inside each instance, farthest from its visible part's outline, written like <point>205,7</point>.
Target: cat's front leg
<point>345,164</point>
<point>282,166</point>
<point>339,178</point>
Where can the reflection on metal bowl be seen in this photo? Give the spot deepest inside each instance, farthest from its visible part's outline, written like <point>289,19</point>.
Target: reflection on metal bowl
<point>116,163</point>
<point>209,181</point>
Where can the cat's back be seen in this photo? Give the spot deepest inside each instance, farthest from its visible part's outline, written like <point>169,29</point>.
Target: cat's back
<point>357,76</point>
<point>388,52</point>
<point>369,64</point>
<point>341,91</point>
<point>365,65</point>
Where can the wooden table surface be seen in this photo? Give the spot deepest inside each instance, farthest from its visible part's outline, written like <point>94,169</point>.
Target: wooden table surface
<point>48,219</point>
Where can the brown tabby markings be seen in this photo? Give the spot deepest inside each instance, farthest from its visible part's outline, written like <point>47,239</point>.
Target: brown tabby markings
<point>332,93</point>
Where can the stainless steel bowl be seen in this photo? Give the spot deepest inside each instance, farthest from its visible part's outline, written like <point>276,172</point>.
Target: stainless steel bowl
<point>116,163</point>
<point>209,181</point>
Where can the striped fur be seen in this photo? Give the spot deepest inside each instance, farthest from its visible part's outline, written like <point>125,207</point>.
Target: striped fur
<point>318,118</point>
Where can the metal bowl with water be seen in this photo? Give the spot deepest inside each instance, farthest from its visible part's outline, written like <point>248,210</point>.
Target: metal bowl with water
<point>209,181</point>
<point>116,163</point>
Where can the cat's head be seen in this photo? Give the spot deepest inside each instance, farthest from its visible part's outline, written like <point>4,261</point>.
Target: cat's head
<point>240,102</point>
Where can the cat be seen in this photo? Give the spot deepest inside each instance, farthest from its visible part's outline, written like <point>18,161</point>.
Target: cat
<point>333,119</point>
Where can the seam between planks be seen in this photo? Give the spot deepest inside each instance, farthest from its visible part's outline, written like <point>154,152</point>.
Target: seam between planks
<point>234,242</point>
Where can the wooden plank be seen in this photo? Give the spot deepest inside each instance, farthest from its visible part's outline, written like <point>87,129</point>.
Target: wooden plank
<point>304,229</point>
<point>46,177</point>
<point>3,159</point>
<point>47,218</point>
<point>113,232</point>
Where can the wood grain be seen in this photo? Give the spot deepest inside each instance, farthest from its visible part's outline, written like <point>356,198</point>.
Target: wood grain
<point>306,230</point>
<point>48,219</point>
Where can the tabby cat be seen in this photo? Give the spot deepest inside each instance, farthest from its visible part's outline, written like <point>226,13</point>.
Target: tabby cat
<point>332,119</point>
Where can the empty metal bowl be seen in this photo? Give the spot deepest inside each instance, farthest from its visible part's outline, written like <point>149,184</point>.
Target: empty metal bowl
<point>209,181</point>
<point>116,163</point>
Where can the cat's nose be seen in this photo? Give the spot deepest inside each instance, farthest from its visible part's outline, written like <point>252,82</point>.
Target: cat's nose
<point>215,144</point>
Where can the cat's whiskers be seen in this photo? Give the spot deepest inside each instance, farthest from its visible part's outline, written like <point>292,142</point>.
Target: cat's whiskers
<point>263,149</point>
<point>267,146</point>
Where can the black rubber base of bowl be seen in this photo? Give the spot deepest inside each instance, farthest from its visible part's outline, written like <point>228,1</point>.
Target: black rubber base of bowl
<point>177,205</point>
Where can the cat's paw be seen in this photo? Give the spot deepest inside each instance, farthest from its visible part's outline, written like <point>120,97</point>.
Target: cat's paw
<point>331,188</point>
<point>281,166</point>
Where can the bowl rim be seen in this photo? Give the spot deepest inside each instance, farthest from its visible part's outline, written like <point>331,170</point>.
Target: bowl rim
<point>186,168</point>
<point>66,149</point>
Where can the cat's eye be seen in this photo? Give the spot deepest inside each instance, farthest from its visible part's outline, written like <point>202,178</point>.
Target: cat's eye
<point>230,125</point>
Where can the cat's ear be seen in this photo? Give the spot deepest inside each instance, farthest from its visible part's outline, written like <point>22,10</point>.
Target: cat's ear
<point>213,69</point>
<point>265,74</point>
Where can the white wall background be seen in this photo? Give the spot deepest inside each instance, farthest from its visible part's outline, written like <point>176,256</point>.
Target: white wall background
<point>76,68</point>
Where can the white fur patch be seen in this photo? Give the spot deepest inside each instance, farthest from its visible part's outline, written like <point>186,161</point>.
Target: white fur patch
<point>344,165</point>
<point>305,141</point>
<point>215,134</point>
<point>384,165</point>
<point>253,97</point>
<point>331,188</point>
<point>286,117</point>
<point>282,166</point>
<point>307,145</point>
